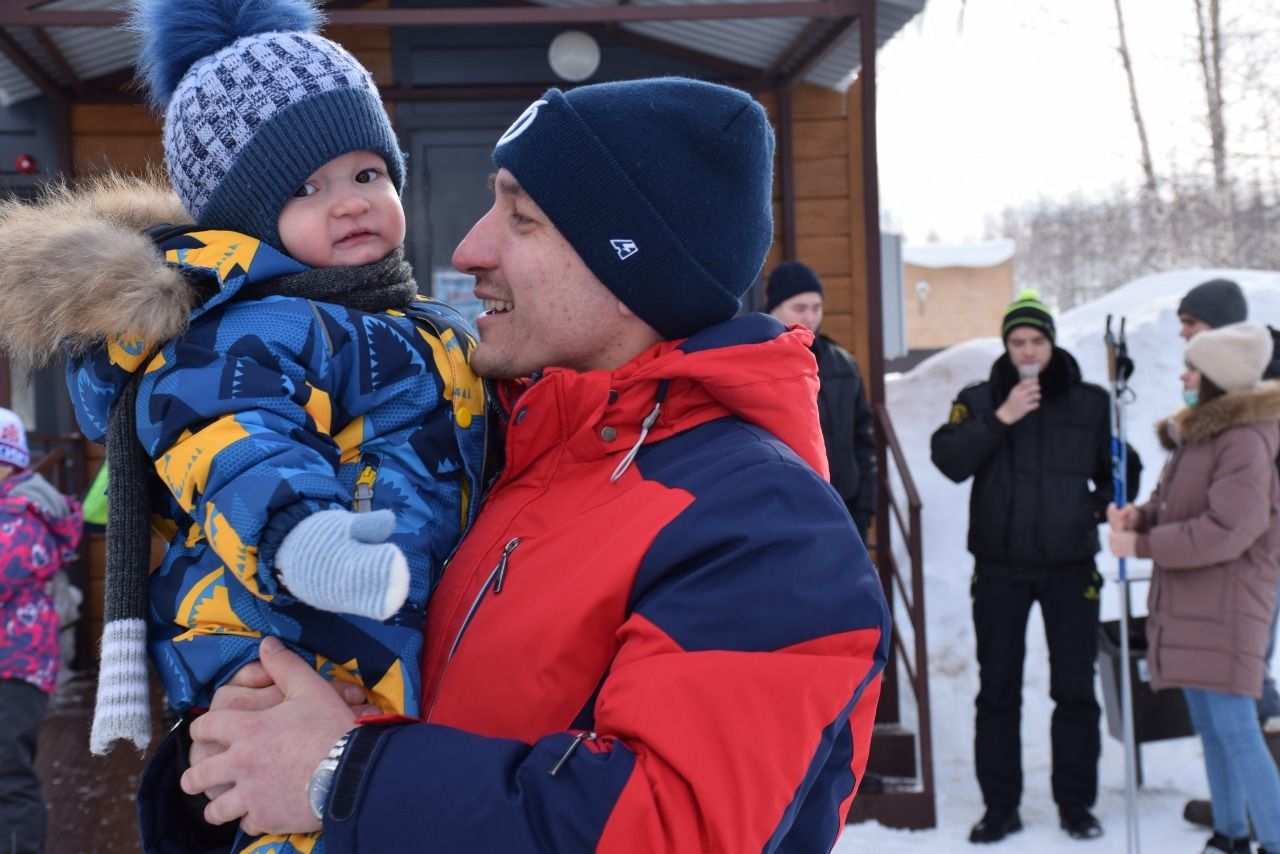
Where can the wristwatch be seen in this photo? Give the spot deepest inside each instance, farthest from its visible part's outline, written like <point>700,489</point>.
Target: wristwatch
<point>321,782</point>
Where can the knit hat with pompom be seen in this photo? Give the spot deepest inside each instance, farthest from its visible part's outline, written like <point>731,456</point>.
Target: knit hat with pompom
<point>254,102</point>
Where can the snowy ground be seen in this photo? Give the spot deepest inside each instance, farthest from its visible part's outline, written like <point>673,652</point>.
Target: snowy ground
<point>919,401</point>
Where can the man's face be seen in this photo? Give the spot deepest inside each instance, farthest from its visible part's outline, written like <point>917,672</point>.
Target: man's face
<point>1027,345</point>
<point>1192,326</point>
<point>347,214</point>
<point>805,309</point>
<point>543,306</point>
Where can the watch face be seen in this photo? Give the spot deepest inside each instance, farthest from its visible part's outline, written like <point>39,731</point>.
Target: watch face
<point>318,788</point>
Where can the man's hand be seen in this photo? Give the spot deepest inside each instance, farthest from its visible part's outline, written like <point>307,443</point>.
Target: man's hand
<point>270,752</point>
<point>1124,544</point>
<point>251,690</point>
<point>1022,399</point>
<point>1123,518</point>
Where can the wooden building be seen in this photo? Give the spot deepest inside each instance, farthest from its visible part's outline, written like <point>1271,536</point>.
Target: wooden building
<point>953,293</point>
<point>454,73</point>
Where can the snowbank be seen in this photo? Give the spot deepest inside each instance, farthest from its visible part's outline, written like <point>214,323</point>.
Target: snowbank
<point>919,402</point>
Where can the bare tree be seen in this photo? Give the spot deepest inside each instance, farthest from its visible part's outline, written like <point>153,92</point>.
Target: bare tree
<point>1209,25</point>
<point>1148,168</point>
<point>1210,32</point>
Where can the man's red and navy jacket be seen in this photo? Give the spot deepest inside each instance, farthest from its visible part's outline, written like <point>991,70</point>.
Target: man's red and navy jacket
<point>676,652</point>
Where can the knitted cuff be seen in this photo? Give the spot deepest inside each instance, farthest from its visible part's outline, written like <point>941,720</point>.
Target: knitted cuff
<point>123,706</point>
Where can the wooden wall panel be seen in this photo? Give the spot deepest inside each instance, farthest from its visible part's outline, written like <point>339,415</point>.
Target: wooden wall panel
<point>828,256</point>
<point>839,295</point>
<point>822,138</point>
<point>121,137</point>
<point>825,177</point>
<point>830,232</point>
<point>816,217</point>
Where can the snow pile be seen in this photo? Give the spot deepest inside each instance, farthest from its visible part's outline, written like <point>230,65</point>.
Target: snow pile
<point>919,402</point>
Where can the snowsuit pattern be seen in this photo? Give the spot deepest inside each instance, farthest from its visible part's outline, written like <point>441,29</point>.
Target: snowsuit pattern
<point>265,411</point>
<point>33,547</point>
<point>685,658</point>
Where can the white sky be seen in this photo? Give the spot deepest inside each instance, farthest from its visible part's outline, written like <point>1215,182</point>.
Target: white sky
<point>1027,98</point>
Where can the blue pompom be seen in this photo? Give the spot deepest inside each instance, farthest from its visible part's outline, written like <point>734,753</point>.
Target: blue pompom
<point>176,34</point>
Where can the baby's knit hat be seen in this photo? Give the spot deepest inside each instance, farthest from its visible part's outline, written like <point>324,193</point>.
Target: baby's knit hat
<point>254,102</point>
<point>662,186</point>
<point>13,440</point>
<point>1028,310</point>
<point>1233,357</point>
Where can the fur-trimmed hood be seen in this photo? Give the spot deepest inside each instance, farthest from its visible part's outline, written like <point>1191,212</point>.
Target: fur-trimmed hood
<point>1193,426</point>
<point>76,269</point>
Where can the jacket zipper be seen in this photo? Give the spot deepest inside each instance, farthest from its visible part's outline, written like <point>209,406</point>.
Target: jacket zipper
<point>364,489</point>
<point>500,572</point>
<point>573,745</point>
<point>494,580</point>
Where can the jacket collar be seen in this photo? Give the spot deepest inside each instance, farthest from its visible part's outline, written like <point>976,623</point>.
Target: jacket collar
<point>1193,426</point>
<point>750,367</point>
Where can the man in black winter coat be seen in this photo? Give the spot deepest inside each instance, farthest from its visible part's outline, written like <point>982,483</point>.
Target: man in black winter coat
<point>1035,438</point>
<point>794,295</point>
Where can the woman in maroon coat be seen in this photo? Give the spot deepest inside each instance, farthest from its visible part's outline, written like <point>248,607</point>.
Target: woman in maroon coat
<point>1212,528</point>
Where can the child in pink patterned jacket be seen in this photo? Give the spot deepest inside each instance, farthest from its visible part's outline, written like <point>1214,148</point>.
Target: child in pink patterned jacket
<point>34,544</point>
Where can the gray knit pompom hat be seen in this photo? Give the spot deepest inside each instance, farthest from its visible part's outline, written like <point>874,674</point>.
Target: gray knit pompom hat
<point>254,102</point>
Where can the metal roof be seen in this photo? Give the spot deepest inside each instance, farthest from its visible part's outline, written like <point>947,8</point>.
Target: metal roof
<point>35,59</point>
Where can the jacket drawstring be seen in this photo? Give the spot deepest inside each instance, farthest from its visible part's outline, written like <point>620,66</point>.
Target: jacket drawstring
<point>645,427</point>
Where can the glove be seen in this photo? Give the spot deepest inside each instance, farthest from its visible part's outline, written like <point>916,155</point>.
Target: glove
<point>42,494</point>
<point>336,560</point>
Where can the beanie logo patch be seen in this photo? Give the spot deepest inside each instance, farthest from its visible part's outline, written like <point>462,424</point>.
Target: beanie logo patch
<point>624,248</point>
<point>521,124</point>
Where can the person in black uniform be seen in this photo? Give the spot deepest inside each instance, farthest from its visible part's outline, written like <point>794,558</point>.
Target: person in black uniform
<point>794,294</point>
<point>1035,438</point>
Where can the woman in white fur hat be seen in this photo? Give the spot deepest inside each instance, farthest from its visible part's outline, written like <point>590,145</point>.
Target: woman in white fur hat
<point>1212,528</point>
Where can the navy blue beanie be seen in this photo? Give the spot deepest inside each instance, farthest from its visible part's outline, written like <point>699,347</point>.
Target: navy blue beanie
<point>255,102</point>
<point>789,279</point>
<point>662,186</point>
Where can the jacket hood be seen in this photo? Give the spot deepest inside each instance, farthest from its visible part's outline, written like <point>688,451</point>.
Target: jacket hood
<point>751,367</point>
<point>1237,408</point>
<point>122,294</point>
<point>76,269</point>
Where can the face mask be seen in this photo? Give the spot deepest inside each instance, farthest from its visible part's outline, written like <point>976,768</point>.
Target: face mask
<point>1191,396</point>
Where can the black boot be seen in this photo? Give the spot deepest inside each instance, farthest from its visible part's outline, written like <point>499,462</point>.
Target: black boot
<point>1199,812</point>
<point>1219,843</point>
<point>1079,823</point>
<point>996,824</point>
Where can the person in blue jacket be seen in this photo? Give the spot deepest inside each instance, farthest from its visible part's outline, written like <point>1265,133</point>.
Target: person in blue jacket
<point>305,428</point>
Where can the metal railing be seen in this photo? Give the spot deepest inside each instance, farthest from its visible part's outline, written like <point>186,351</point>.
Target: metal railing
<point>921,808</point>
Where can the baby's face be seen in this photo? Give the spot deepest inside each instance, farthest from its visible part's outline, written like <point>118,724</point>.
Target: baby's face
<point>347,214</point>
